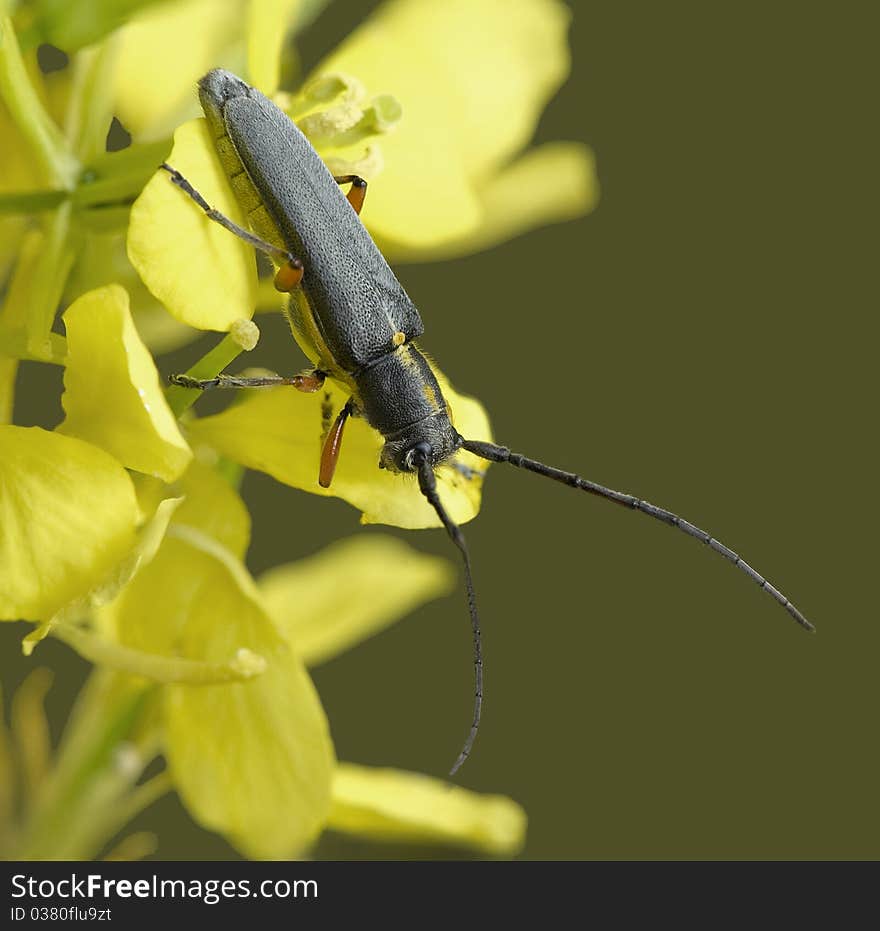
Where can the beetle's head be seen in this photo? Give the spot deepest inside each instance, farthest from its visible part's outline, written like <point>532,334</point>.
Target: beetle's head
<point>434,437</point>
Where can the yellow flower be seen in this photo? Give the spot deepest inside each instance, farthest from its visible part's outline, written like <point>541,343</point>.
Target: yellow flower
<point>233,709</point>
<point>113,537</point>
<point>279,431</point>
<point>206,277</point>
<point>472,79</point>
<point>68,535</point>
<point>398,806</point>
<point>454,180</point>
<point>250,758</point>
<point>450,180</point>
<point>112,395</point>
<point>67,518</point>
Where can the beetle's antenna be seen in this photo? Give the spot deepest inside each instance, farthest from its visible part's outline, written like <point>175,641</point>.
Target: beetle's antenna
<point>502,454</point>
<point>428,486</point>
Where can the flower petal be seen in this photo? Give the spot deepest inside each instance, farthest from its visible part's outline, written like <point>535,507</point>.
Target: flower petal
<point>550,184</point>
<point>392,805</point>
<point>213,506</point>
<point>112,396</point>
<point>209,504</point>
<point>384,580</point>
<point>279,431</point>
<point>163,53</point>
<point>146,544</point>
<point>204,275</point>
<point>268,24</point>
<point>67,517</point>
<point>103,260</point>
<point>251,759</point>
<point>468,103</point>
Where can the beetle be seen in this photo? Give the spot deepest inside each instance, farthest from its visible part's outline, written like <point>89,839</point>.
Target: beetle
<point>356,323</point>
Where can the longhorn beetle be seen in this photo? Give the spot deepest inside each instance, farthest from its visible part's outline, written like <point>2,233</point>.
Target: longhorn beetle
<point>355,322</point>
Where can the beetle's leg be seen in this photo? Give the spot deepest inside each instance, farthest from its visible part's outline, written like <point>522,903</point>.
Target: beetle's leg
<point>288,275</point>
<point>332,445</point>
<point>326,416</point>
<point>308,382</point>
<point>356,193</point>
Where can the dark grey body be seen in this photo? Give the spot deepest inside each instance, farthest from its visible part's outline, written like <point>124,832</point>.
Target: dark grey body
<point>354,308</point>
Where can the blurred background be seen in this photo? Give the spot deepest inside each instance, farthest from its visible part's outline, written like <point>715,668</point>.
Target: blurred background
<point>705,340</point>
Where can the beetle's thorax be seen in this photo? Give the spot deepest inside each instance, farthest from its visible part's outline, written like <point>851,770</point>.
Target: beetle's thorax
<point>401,398</point>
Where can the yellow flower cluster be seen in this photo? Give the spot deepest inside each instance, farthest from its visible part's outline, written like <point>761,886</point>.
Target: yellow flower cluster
<point>119,532</point>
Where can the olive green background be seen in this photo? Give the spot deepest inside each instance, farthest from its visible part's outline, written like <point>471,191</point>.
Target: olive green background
<point>704,340</point>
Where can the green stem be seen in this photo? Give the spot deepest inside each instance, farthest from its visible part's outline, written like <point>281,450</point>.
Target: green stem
<point>40,132</point>
<point>90,106</point>
<point>143,796</point>
<point>87,754</point>
<point>168,669</point>
<point>13,343</point>
<point>31,201</point>
<point>48,287</point>
<point>110,178</point>
<point>109,803</point>
<point>209,366</point>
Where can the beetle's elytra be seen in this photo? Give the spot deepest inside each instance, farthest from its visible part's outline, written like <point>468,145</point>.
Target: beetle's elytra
<point>354,321</point>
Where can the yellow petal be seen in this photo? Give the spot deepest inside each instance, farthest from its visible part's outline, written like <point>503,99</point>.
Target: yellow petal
<point>278,431</point>
<point>550,184</point>
<point>472,79</point>
<point>103,260</point>
<point>252,760</point>
<point>392,805</point>
<point>112,395</point>
<point>204,275</point>
<point>213,506</point>
<point>209,504</point>
<point>384,580</point>
<point>149,538</point>
<point>145,546</point>
<point>158,329</point>
<point>162,54</point>
<point>268,24</point>
<point>67,517</point>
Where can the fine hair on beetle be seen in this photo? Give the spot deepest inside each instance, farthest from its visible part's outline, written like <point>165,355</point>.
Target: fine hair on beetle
<point>357,325</point>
